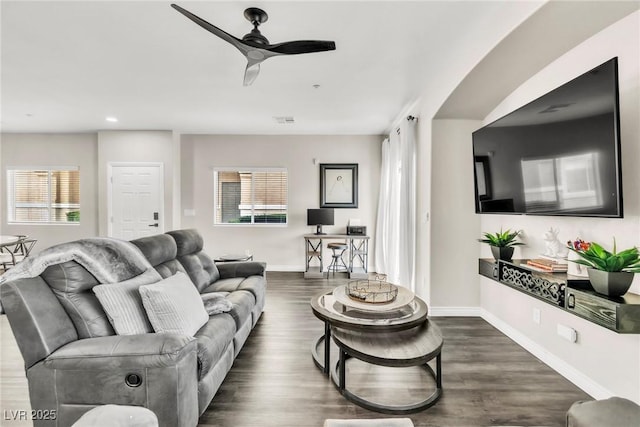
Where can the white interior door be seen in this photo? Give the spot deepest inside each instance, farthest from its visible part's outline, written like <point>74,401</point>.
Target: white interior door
<point>136,201</point>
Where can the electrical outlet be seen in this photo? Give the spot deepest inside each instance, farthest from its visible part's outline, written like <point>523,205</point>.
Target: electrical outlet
<point>536,315</point>
<point>567,333</point>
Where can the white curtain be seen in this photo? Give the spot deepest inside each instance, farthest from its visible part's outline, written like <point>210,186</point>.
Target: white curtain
<point>395,240</point>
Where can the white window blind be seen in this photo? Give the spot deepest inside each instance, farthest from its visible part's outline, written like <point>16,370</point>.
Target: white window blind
<point>47,195</point>
<point>250,196</point>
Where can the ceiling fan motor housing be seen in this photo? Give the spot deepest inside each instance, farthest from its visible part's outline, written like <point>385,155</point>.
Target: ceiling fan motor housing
<point>256,37</point>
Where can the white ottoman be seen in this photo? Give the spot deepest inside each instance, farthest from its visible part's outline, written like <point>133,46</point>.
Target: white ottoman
<point>374,422</point>
<point>117,416</point>
<point>612,412</point>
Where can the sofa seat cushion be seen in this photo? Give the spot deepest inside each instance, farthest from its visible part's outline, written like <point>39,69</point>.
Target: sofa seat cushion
<point>242,305</point>
<point>212,340</point>
<point>224,285</point>
<point>257,285</point>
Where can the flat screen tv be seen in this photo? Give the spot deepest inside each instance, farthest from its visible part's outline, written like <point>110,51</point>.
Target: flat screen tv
<point>558,155</point>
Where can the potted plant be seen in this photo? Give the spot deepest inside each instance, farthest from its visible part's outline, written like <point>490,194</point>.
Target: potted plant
<point>610,273</point>
<point>502,243</point>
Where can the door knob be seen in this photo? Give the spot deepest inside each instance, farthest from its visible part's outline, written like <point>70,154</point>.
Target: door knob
<point>153,225</point>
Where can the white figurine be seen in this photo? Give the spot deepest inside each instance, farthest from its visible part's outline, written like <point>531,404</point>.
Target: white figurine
<point>555,248</point>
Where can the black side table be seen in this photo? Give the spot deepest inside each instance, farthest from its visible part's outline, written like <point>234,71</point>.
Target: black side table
<point>234,258</point>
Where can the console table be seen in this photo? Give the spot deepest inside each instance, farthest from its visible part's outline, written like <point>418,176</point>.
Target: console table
<point>358,253</point>
<point>569,293</point>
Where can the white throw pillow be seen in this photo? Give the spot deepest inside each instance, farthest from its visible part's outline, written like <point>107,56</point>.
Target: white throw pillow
<point>173,305</point>
<point>122,303</point>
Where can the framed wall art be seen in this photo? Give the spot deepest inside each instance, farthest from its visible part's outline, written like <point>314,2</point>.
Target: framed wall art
<point>338,185</point>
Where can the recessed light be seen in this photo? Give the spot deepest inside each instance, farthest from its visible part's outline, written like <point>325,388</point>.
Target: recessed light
<point>111,119</point>
<point>316,86</point>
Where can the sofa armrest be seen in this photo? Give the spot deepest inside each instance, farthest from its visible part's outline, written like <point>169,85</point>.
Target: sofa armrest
<point>156,371</point>
<point>241,269</point>
<point>116,351</point>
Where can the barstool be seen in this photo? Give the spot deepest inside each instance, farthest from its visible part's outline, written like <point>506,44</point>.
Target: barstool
<point>336,258</point>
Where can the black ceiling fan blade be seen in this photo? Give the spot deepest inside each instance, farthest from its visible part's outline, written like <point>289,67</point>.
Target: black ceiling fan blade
<point>212,28</point>
<point>301,46</point>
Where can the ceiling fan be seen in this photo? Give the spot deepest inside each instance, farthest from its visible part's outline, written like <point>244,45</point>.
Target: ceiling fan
<point>254,46</point>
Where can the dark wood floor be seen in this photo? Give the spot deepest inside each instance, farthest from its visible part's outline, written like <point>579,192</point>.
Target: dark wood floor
<point>488,380</point>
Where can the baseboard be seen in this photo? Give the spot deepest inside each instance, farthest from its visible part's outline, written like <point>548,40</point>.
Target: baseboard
<point>295,268</point>
<point>581,380</point>
<point>454,311</point>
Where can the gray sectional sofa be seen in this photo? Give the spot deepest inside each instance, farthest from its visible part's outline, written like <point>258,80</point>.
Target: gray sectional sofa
<point>74,360</point>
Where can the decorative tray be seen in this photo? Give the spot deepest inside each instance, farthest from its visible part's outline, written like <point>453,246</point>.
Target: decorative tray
<point>372,291</point>
<point>403,296</point>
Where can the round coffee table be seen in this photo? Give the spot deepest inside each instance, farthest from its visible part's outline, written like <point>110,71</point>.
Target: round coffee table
<point>335,314</point>
<point>410,347</point>
<point>401,337</point>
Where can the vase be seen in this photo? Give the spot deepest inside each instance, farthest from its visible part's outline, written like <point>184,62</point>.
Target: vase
<point>504,253</point>
<point>613,284</point>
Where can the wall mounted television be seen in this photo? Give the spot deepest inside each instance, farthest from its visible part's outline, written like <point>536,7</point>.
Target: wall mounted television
<point>557,155</point>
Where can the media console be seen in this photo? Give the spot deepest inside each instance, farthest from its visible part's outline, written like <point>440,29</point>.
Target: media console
<point>568,293</point>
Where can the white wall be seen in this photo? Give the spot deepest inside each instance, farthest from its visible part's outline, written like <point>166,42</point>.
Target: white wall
<point>453,290</point>
<point>137,146</point>
<point>601,361</point>
<point>282,247</point>
<point>44,150</point>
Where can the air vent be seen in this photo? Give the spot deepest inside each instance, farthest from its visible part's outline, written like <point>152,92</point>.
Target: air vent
<point>284,120</point>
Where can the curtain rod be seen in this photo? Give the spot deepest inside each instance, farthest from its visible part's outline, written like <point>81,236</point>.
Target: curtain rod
<point>409,118</point>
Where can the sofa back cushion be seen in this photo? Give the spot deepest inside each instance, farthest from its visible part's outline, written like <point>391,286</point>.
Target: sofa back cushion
<point>37,319</point>
<point>72,283</point>
<point>198,265</point>
<point>161,251</point>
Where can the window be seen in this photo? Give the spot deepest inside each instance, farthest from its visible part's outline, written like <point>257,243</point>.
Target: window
<point>250,196</point>
<point>43,195</point>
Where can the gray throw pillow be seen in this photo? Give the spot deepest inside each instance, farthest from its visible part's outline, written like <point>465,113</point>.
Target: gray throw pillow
<point>173,305</point>
<point>216,302</point>
<point>122,303</point>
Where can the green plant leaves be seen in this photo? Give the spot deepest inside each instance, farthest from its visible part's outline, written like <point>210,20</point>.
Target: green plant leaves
<point>502,239</point>
<point>599,258</point>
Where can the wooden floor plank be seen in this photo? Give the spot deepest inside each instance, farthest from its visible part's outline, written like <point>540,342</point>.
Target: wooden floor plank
<point>488,380</point>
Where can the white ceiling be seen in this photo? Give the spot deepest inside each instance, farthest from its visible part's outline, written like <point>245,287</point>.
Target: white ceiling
<point>68,65</point>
